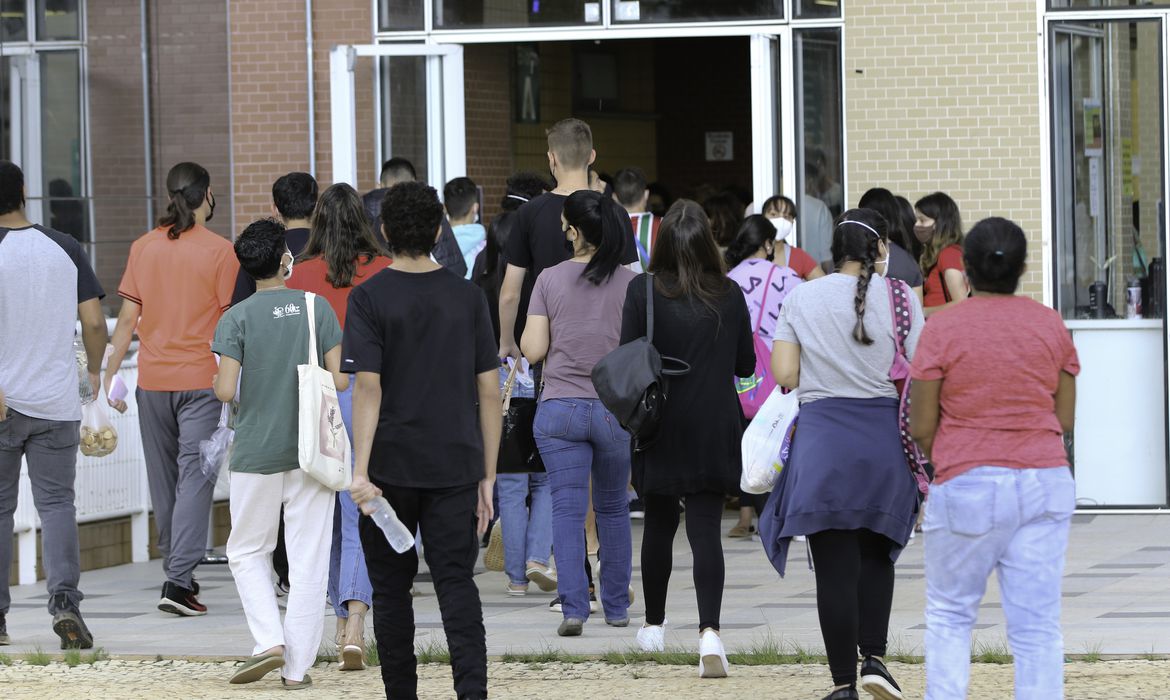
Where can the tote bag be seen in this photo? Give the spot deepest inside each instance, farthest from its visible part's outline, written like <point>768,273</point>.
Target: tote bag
<point>322,441</point>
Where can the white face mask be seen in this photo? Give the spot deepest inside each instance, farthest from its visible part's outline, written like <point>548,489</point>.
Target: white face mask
<point>783,226</point>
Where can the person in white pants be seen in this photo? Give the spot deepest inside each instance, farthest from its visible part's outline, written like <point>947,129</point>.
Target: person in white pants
<point>260,343</point>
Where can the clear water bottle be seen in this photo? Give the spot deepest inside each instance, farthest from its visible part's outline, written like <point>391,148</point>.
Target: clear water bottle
<point>399,537</point>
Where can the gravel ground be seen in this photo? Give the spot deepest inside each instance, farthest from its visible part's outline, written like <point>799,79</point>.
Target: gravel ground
<point>1143,680</point>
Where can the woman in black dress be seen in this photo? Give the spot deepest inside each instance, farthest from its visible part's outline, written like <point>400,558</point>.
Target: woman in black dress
<point>700,317</point>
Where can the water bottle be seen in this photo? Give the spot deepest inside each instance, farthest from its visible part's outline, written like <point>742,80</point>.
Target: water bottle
<point>400,538</point>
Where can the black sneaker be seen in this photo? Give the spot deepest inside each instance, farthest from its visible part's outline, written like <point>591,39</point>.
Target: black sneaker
<point>69,626</point>
<point>4,641</point>
<point>637,509</point>
<point>877,681</point>
<point>180,601</point>
<point>849,693</point>
<point>555,605</point>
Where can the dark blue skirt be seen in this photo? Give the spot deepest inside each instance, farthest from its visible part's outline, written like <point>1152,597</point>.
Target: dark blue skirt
<point>846,471</point>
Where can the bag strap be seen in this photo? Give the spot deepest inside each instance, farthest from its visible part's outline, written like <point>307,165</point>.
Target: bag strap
<point>650,308</point>
<point>898,304</point>
<point>509,384</point>
<point>312,328</point>
<point>764,301</point>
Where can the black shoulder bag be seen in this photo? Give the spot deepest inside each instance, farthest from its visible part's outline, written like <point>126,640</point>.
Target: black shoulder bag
<point>631,381</point>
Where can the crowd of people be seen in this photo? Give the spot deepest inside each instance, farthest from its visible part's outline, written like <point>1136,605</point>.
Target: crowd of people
<point>420,311</point>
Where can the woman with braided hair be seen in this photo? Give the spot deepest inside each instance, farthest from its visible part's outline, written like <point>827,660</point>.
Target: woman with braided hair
<point>846,485</point>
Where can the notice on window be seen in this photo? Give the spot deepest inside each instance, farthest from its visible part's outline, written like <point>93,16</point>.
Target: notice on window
<point>1094,129</point>
<point>719,146</point>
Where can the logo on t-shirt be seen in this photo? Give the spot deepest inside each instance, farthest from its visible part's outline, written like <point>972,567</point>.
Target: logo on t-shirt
<point>286,310</point>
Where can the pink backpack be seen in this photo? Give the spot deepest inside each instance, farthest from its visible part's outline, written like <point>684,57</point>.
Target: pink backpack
<point>755,390</point>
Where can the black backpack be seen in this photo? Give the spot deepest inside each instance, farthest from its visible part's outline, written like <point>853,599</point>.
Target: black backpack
<point>631,381</point>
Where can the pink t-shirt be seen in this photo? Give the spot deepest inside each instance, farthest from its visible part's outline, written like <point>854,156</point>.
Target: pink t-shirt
<point>999,359</point>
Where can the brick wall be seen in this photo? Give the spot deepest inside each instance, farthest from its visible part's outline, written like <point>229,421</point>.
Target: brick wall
<point>337,22</point>
<point>944,95</point>
<point>487,87</point>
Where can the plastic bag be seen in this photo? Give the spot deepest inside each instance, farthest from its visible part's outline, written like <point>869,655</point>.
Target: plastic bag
<point>765,442</point>
<point>214,451</point>
<point>98,437</point>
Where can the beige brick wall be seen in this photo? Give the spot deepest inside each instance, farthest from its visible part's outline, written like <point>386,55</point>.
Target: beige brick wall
<point>944,95</point>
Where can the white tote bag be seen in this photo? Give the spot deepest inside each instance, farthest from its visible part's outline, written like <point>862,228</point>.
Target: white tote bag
<point>322,443</point>
<point>763,442</point>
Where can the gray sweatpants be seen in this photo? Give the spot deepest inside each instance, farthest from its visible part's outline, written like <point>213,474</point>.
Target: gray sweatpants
<point>173,423</point>
<point>51,450</point>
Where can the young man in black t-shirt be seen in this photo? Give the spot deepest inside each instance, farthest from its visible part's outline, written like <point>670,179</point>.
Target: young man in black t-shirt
<point>420,340</point>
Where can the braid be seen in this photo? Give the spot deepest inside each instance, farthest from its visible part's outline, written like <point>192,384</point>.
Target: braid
<point>863,279</point>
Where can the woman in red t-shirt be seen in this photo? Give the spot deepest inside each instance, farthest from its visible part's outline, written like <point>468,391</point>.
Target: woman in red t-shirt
<point>939,228</point>
<point>341,254</point>
<point>781,211</point>
<point>993,392</point>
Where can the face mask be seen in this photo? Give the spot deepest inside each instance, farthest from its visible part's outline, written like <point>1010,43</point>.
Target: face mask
<point>882,267</point>
<point>783,228</point>
<point>923,233</point>
<point>211,205</point>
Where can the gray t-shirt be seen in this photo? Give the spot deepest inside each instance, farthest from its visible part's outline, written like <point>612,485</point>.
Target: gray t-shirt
<point>819,316</point>
<point>585,324</point>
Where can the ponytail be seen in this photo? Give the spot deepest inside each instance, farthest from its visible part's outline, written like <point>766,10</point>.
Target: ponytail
<point>605,226</point>
<point>857,238</point>
<point>187,185</point>
<point>863,279</point>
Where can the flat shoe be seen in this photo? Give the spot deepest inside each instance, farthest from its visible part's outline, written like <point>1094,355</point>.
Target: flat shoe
<point>544,578</point>
<point>292,685</point>
<point>256,668</point>
<point>570,627</point>
<point>741,531</point>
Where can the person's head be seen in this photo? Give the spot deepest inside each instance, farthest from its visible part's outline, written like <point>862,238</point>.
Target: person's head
<point>595,223</point>
<point>262,252</point>
<point>685,258</point>
<point>189,190</point>
<point>570,148</point>
<point>781,211</point>
<point>659,200</point>
<point>860,236</point>
<point>521,189</point>
<point>294,196</point>
<point>340,234</point>
<point>629,188</point>
<point>11,188</point>
<point>461,200</point>
<point>995,255</point>
<point>937,226</point>
<point>725,214</point>
<point>397,170</point>
<point>756,239</point>
<point>883,202</point>
<point>411,219</point>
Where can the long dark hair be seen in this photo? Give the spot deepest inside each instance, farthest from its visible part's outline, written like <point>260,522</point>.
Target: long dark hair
<point>948,226</point>
<point>725,214</point>
<point>855,239</point>
<point>187,185</point>
<point>340,233</point>
<point>685,259</point>
<point>883,202</point>
<point>906,214</point>
<point>605,227</point>
<point>498,232</point>
<point>754,232</point>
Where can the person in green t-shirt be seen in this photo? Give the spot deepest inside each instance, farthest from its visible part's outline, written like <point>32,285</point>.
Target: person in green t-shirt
<point>260,343</point>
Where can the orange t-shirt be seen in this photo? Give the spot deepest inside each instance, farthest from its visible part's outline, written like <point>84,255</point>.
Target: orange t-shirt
<point>183,287</point>
<point>310,276</point>
<point>801,262</point>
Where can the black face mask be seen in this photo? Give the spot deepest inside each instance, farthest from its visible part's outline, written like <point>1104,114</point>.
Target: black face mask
<point>211,205</point>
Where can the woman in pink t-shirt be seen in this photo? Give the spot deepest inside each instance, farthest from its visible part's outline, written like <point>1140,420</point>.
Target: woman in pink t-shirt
<point>993,393</point>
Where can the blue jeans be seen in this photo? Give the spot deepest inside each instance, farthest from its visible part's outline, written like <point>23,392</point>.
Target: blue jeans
<point>527,529</point>
<point>348,578</point>
<point>1014,522</point>
<point>578,438</point>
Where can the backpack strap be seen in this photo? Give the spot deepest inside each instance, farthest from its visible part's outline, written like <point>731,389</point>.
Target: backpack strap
<point>899,312</point>
<point>764,301</point>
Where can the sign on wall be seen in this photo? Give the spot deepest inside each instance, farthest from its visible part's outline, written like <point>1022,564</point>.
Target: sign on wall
<point>720,146</point>
<point>527,84</point>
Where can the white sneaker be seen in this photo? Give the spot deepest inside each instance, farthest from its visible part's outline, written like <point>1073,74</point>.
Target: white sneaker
<point>652,638</point>
<point>712,659</point>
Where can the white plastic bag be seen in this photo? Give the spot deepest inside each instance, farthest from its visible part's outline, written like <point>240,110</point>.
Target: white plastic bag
<point>765,440</point>
<point>214,451</point>
<point>98,437</point>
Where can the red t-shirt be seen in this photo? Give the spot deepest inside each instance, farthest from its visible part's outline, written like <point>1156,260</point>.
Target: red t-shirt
<point>949,258</point>
<point>999,360</point>
<point>801,262</point>
<point>310,276</point>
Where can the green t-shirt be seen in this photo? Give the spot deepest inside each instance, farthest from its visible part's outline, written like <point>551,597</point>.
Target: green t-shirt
<point>268,335</point>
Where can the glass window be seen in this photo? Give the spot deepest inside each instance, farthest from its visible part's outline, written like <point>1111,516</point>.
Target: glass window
<point>9,98</point>
<point>404,110</point>
<point>652,11</point>
<point>399,15</point>
<point>470,14</point>
<point>57,20</point>
<point>13,20</point>
<point>815,9</point>
<point>61,143</point>
<point>821,162</point>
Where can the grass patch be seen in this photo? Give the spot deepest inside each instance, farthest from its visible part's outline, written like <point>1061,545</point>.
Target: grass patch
<point>372,655</point>
<point>548,655</point>
<point>771,651</point>
<point>677,656</point>
<point>38,657</point>
<point>325,657</point>
<point>98,654</point>
<point>72,657</point>
<point>5,660</point>
<point>432,653</point>
<point>1092,653</point>
<point>996,652</point>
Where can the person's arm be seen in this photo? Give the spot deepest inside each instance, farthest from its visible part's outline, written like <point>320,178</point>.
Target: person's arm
<point>633,313</point>
<point>1066,401</point>
<point>956,284</point>
<point>535,342</point>
<point>509,307</point>
<point>94,337</point>
<point>227,378</point>
<point>333,364</point>
<point>814,273</point>
<point>924,412</point>
<point>367,402</point>
<point>491,426</point>
<point>123,334</point>
<point>786,364</point>
<point>918,292</point>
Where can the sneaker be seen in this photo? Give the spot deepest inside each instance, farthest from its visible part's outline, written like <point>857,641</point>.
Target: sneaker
<point>4,640</point>
<point>877,681</point>
<point>849,693</point>
<point>652,638</point>
<point>516,590</point>
<point>68,625</point>
<point>712,657</point>
<point>544,577</point>
<point>282,588</point>
<point>637,509</point>
<point>555,605</point>
<point>180,601</point>
<point>493,558</point>
<point>742,531</point>
<point>620,622</point>
<point>570,627</point>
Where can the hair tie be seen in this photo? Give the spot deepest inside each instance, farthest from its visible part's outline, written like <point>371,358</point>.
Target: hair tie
<point>865,226</point>
<point>516,196</point>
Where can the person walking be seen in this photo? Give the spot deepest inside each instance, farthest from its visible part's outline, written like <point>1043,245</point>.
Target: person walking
<point>994,390</point>
<point>699,318</point>
<point>46,285</point>
<point>847,485</point>
<point>939,228</point>
<point>342,253</point>
<point>178,282</point>
<point>574,320</point>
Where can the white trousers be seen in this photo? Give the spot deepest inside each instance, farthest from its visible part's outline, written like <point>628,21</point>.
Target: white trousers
<point>308,519</point>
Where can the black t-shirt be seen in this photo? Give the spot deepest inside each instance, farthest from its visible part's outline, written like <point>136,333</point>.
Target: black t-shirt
<point>295,238</point>
<point>538,242</point>
<point>428,335</point>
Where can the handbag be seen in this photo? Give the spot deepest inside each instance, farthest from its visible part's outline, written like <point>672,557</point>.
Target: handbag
<point>518,453</point>
<point>755,390</point>
<point>631,381</point>
<point>920,467</point>
<point>323,449</point>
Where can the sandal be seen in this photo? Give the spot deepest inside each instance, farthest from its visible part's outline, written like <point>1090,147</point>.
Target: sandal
<point>256,668</point>
<point>295,685</point>
<point>353,648</point>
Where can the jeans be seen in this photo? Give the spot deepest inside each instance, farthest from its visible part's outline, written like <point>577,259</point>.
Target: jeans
<point>527,529</point>
<point>348,578</point>
<point>1014,522</point>
<point>578,438</point>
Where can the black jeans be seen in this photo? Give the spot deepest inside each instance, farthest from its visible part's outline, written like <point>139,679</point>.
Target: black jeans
<point>704,517</point>
<point>855,589</point>
<point>446,518</point>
